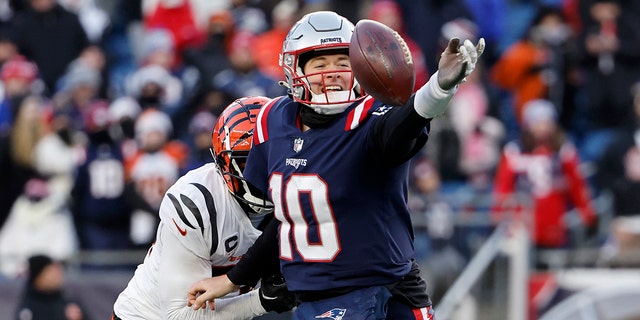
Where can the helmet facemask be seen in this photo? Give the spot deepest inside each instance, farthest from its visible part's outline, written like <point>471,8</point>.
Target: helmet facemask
<point>319,33</point>
<point>232,165</point>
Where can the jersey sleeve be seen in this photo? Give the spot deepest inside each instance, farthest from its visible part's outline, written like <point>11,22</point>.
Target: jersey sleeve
<point>178,269</point>
<point>186,240</point>
<point>264,253</point>
<point>256,168</point>
<point>184,213</point>
<point>398,134</point>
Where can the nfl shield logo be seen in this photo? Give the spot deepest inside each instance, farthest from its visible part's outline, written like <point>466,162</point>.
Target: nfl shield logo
<point>297,144</point>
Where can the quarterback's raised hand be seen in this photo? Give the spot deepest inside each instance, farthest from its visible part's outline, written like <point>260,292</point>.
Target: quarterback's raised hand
<point>458,61</point>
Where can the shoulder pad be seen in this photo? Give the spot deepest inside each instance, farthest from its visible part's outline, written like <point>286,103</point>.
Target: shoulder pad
<point>361,112</point>
<point>261,132</point>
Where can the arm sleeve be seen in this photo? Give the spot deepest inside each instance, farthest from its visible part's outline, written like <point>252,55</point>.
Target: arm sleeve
<point>245,306</point>
<point>180,268</point>
<point>264,252</point>
<point>399,134</point>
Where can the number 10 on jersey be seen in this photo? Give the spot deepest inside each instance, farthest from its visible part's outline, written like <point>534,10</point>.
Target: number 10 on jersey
<point>296,225</point>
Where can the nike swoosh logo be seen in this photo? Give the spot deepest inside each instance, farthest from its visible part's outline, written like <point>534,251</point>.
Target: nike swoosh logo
<point>267,298</point>
<point>183,232</point>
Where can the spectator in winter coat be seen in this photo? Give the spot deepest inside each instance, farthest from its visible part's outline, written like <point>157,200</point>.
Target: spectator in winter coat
<point>545,167</point>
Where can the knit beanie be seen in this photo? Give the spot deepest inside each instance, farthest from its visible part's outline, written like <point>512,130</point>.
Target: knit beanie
<point>37,263</point>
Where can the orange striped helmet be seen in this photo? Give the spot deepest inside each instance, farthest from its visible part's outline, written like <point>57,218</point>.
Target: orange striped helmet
<point>231,140</point>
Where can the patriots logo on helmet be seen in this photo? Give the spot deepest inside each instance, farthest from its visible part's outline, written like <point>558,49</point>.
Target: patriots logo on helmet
<point>297,144</point>
<point>335,314</point>
<point>331,40</point>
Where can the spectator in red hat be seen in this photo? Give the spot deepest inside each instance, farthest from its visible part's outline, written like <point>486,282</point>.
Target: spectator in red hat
<point>18,77</point>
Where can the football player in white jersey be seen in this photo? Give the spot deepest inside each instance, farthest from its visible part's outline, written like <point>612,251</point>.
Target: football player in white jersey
<point>208,220</point>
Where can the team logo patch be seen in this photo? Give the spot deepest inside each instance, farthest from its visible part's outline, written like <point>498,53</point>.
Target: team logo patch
<point>382,110</point>
<point>335,314</point>
<point>424,313</point>
<point>297,144</point>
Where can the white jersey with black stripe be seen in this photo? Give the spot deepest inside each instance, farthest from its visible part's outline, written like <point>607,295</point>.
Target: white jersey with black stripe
<point>202,226</point>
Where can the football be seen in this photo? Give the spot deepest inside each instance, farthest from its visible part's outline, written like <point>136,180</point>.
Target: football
<point>381,62</point>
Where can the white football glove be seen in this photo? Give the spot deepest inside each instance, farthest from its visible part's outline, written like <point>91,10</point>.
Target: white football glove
<point>458,61</point>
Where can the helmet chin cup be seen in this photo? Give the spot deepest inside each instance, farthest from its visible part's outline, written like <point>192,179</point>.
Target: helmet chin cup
<point>324,103</point>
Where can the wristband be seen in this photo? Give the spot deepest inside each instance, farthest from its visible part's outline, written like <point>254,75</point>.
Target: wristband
<point>431,100</point>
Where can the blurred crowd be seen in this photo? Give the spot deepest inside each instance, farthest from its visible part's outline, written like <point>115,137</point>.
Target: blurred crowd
<point>104,104</point>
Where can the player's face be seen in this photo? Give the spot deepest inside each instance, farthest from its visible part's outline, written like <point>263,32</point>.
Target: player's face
<point>321,81</point>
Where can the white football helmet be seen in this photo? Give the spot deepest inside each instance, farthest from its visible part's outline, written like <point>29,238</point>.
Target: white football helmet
<point>318,31</point>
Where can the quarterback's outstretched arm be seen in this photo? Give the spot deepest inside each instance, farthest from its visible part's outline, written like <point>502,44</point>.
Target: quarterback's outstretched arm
<point>397,135</point>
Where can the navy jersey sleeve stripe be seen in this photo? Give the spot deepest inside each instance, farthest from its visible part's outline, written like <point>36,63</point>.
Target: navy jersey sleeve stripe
<point>178,207</point>
<point>208,198</point>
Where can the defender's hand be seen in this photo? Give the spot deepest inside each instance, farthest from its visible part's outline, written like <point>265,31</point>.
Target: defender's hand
<point>208,289</point>
<point>274,295</point>
<point>458,61</point>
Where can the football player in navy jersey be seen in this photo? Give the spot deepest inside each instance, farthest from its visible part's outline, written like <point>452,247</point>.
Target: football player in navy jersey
<point>208,219</point>
<point>334,162</point>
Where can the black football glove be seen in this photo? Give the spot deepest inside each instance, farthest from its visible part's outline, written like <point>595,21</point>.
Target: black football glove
<point>274,295</point>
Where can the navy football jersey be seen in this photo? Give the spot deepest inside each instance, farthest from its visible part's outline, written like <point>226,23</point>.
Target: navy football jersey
<point>342,211</point>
